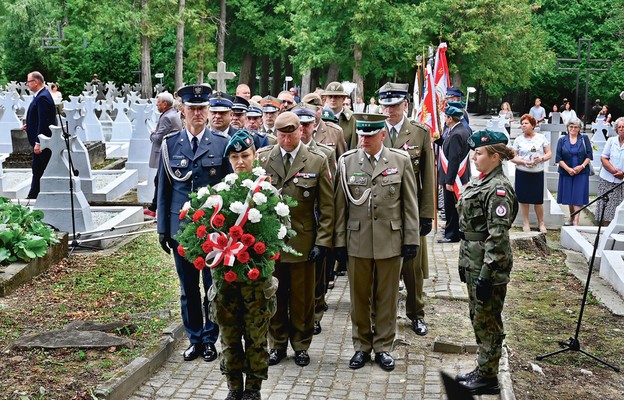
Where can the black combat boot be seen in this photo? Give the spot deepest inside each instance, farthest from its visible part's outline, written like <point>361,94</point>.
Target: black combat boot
<point>479,384</point>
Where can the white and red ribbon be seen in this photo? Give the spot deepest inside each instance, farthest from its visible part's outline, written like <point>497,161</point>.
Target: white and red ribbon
<point>219,253</point>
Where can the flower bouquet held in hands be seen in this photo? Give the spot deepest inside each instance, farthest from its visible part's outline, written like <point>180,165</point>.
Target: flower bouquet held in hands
<point>238,228</point>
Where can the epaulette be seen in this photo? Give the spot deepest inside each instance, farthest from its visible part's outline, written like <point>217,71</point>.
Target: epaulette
<point>221,134</point>
<point>347,113</point>
<point>265,148</point>
<point>171,134</point>
<point>316,151</point>
<point>333,125</point>
<point>262,134</point>
<point>399,151</point>
<point>419,124</point>
<point>324,146</point>
<point>349,152</point>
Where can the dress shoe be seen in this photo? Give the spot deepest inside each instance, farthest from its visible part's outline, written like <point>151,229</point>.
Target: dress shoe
<point>251,395</point>
<point>302,358</point>
<point>479,384</point>
<point>420,327</point>
<point>341,273</point>
<point>359,359</point>
<point>447,240</point>
<point>325,307</point>
<point>193,351</point>
<point>317,327</point>
<point>234,395</point>
<point>331,285</point>
<point>275,356</point>
<point>149,213</point>
<point>209,353</point>
<point>385,360</point>
<point>467,376</point>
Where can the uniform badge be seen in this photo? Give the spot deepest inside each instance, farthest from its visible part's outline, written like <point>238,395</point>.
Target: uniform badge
<point>296,180</point>
<point>183,163</point>
<point>177,173</point>
<point>263,159</point>
<point>391,189</point>
<point>238,147</point>
<point>390,171</point>
<point>306,194</point>
<point>352,179</point>
<point>357,190</point>
<point>213,172</point>
<point>501,210</point>
<point>501,192</point>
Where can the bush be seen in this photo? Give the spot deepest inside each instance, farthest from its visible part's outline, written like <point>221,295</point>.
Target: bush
<point>23,234</point>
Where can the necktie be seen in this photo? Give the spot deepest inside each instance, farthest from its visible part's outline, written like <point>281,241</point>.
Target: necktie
<point>269,131</point>
<point>194,144</point>
<point>393,135</point>
<point>287,161</point>
<point>373,161</point>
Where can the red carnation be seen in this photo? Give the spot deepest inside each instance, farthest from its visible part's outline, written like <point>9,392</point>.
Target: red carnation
<point>183,214</point>
<point>198,214</point>
<point>236,232</point>
<point>259,248</point>
<point>248,239</point>
<point>199,263</point>
<point>230,276</point>
<point>207,246</point>
<point>253,274</point>
<point>218,220</point>
<point>181,251</point>
<point>275,257</point>
<point>243,257</point>
<point>201,231</point>
<point>222,241</point>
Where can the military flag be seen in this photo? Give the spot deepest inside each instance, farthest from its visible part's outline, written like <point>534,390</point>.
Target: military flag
<point>427,113</point>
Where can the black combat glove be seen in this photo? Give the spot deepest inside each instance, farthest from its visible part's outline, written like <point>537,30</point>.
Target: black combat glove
<point>164,243</point>
<point>462,273</point>
<point>409,251</point>
<point>484,289</point>
<point>317,253</point>
<point>425,226</point>
<point>341,255</point>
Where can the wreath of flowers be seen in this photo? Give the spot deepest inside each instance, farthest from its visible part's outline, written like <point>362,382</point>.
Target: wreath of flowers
<point>238,227</point>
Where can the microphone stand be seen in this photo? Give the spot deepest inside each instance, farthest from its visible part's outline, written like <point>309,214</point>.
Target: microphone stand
<point>573,343</point>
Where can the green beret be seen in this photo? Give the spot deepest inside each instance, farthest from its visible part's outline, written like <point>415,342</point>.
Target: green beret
<point>485,138</point>
<point>456,104</point>
<point>369,124</point>
<point>239,142</point>
<point>453,111</point>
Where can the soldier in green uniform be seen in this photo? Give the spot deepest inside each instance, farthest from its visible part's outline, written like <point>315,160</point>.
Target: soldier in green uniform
<point>244,309</point>
<point>336,95</point>
<point>487,208</point>
<point>414,138</point>
<point>377,227</point>
<point>303,174</point>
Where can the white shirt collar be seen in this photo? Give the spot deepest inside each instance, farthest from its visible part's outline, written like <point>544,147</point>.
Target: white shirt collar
<point>199,137</point>
<point>397,126</point>
<point>293,153</point>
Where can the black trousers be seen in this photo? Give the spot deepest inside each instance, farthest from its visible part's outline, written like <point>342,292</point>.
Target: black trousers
<point>451,231</point>
<point>38,165</point>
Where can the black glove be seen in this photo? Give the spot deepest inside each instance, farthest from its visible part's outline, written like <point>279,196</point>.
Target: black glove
<point>164,242</point>
<point>462,273</point>
<point>484,289</point>
<point>341,255</point>
<point>425,226</point>
<point>409,251</point>
<point>317,253</point>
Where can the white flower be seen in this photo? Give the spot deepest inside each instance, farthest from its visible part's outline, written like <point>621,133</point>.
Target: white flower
<point>266,185</point>
<point>186,206</point>
<point>282,232</point>
<point>258,171</point>
<point>282,209</point>
<point>237,207</point>
<point>212,201</point>
<point>254,216</point>
<point>202,192</point>
<point>259,198</point>
<point>230,178</point>
<point>248,183</point>
<point>221,186</point>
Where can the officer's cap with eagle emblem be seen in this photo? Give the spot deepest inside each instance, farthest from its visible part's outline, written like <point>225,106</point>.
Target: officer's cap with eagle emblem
<point>485,138</point>
<point>313,99</point>
<point>270,104</point>
<point>254,109</point>
<point>240,105</point>
<point>221,102</point>
<point>195,95</point>
<point>393,93</point>
<point>305,112</point>
<point>334,89</point>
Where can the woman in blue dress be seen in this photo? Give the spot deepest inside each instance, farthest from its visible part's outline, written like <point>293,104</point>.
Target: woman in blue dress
<point>574,156</point>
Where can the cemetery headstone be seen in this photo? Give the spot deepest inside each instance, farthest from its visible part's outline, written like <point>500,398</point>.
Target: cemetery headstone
<point>220,76</point>
<point>92,125</point>
<point>121,127</point>
<point>8,121</point>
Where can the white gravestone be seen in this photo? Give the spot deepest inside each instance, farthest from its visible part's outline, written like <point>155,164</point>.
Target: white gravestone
<point>122,127</point>
<point>74,119</point>
<point>92,125</point>
<point>8,121</point>
<point>139,152</point>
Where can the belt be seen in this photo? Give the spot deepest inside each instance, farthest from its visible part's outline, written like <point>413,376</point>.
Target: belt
<point>473,236</point>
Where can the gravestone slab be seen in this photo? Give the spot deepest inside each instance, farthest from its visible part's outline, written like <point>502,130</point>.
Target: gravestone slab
<point>121,130</point>
<point>221,76</point>
<point>72,338</point>
<point>91,123</point>
<point>8,121</point>
<point>140,144</point>
<point>603,129</point>
<point>74,120</point>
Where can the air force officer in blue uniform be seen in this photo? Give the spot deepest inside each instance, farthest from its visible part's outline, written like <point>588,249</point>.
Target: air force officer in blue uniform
<point>190,159</point>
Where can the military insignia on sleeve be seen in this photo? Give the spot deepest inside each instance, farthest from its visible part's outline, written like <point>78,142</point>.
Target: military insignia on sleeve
<point>213,172</point>
<point>501,210</point>
<point>390,171</point>
<point>183,163</point>
<point>501,192</point>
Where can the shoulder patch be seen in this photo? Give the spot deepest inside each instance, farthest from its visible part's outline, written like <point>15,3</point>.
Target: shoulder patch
<point>500,191</point>
<point>349,152</point>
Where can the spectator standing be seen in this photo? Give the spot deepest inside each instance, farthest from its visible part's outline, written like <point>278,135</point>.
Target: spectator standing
<point>538,112</point>
<point>506,114</point>
<point>568,113</point>
<point>612,172</point>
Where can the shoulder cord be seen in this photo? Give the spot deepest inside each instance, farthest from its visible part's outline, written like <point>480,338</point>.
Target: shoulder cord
<point>165,155</point>
<point>345,186</point>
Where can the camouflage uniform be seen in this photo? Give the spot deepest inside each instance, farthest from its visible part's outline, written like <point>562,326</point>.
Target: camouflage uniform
<point>244,310</point>
<point>487,208</point>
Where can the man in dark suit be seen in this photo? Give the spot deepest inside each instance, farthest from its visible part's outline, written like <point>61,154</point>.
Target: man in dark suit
<point>39,117</point>
<point>191,159</point>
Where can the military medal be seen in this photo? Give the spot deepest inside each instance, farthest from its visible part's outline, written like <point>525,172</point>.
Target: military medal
<point>177,173</point>
<point>183,163</point>
<point>213,172</point>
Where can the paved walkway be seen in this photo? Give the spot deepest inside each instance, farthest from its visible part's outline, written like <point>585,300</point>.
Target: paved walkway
<point>416,376</point>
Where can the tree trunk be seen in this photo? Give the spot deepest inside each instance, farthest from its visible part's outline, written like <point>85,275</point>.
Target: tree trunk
<point>315,79</point>
<point>202,52</point>
<point>146,63</point>
<point>179,53</point>
<point>276,84</point>
<point>306,80</point>
<point>253,80</point>
<point>221,33</point>
<point>264,77</point>
<point>357,78</point>
<point>332,74</point>
<point>245,71</point>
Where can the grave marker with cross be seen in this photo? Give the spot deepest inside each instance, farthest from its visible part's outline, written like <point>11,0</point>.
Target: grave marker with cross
<point>221,76</point>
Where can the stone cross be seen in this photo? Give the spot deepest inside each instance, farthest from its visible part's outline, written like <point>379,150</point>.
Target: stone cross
<point>88,87</point>
<point>159,88</point>
<point>23,89</point>
<point>221,76</point>
<point>133,97</point>
<point>58,166</point>
<point>74,103</point>
<point>602,128</point>
<point>12,86</point>
<point>74,120</point>
<point>555,128</point>
<point>125,89</point>
<point>137,87</point>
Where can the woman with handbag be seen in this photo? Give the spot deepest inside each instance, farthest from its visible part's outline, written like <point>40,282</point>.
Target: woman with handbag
<point>574,156</point>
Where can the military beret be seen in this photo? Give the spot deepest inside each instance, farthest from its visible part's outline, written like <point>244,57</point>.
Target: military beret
<point>240,141</point>
<point>485,138</point>
<point>454,92</point>
<point>270,104</point>
<point>254,109</point>
<point>334,89</point>
<point>220,102</point>
<point>312,98</point>
<point>195,95</point>
<point>456,104</point>
<point>287,122</point>
<point>369,124</point>
<point>305,113</point>
<point>453,111</point>
<point>328,115</point>
<point>240,105</point>
<point>392,93</point>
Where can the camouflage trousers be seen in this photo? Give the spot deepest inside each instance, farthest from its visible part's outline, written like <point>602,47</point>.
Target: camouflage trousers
<point>488,325</point>
<point>244,311</point>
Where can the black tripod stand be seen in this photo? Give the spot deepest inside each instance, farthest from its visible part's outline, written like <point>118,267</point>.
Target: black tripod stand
<point>72,173</point>
<point>573,343</point>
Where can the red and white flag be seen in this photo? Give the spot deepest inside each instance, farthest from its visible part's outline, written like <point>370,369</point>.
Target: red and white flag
<point>442,80</point>
<point>427,113</point>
